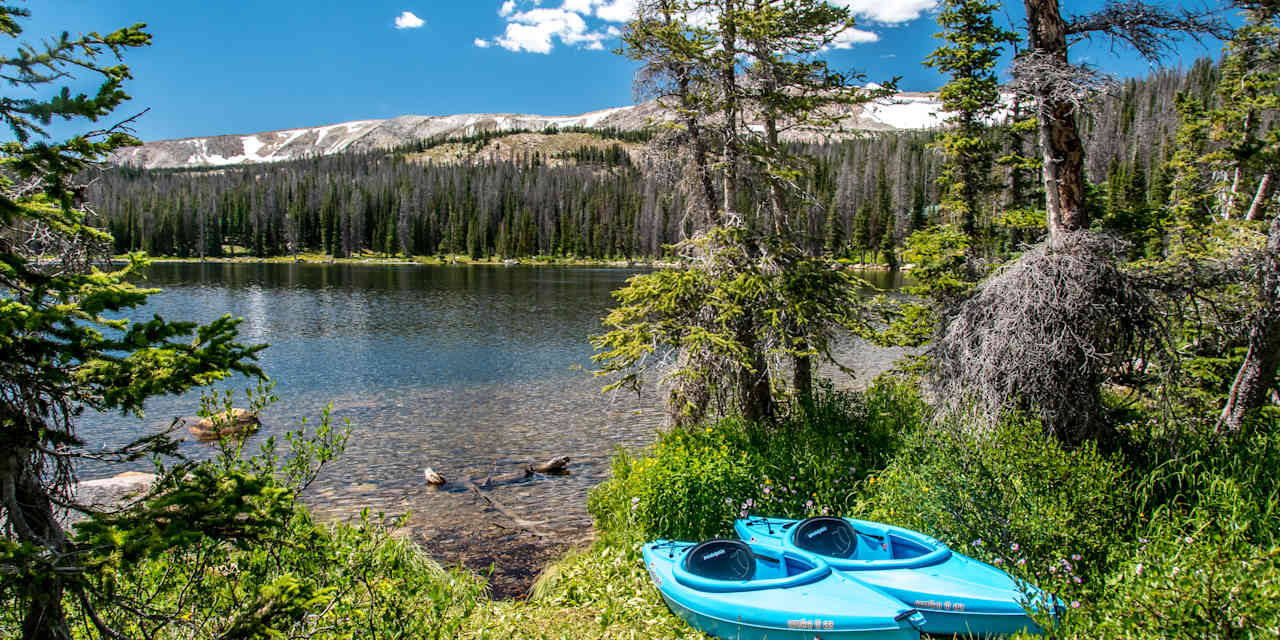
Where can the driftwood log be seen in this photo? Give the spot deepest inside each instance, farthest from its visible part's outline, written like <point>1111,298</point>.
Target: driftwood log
<point>534,527</point>
<point>554,466</point>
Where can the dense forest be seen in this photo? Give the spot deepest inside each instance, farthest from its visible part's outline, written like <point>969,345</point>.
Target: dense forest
<point>604,204</point>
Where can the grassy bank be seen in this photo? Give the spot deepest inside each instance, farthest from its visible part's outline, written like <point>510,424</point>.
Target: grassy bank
<point>1163,536</point>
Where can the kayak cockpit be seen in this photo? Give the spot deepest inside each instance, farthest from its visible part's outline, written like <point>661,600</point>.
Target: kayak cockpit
<point>851,545</point>
<point>733,565</point>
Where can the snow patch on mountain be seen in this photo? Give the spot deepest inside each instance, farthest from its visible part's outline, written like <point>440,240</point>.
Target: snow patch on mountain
<point>906,111</point>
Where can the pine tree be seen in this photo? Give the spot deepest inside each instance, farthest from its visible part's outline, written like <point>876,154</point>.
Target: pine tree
<point>62,353</point>
<point>973,44</point>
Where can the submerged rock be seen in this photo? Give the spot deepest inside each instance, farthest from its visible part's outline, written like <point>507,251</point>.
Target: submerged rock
<point>232,422</point>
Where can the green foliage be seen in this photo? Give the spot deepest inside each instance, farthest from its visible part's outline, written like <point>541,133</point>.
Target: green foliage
<point>938,257</point>
<point>1014,498</point>
<point>1193,586</point>
<point>696,481</point>
<point>972,47</point>
<point>716,325</point>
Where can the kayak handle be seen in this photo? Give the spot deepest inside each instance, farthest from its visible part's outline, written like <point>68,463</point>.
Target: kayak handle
<point>913,617</point>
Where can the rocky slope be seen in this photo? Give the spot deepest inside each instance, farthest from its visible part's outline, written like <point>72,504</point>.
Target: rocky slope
<point>906,111</point>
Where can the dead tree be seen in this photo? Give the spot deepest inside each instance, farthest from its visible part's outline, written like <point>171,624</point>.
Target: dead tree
<point>1059,87</point>
<point>1044,333</point>
<point>1257,375</point>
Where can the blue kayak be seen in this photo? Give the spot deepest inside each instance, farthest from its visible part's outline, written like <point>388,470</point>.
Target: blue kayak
<point>956,594</point>
<point>731,589</point>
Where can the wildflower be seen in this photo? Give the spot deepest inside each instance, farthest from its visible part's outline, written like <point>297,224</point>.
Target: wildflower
<point>766,491</point>
<point>997,561</point>
<point>635,502</point>
<point>1076,579</point>
<point>1022,561</point>
<point>1175,571</point>
<point>742,514</point>
<point>1014,547</point>
<point>728,500</point>
<point>826,510</point>
<point>1076,557</point>
<point>1138,569</point>
<point>808,504</point>
<point>977,543</point>
<point>1075,604</point>
<point>1187,539</point>
<point>750,503</point>
<point>1053,569</point>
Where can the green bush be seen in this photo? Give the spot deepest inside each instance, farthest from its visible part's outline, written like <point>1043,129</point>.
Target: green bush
<point>1197,585</point>
<point>694,482</point>
<point>1014,498</point>
<point>354,581</point>
<point>1198,481</point>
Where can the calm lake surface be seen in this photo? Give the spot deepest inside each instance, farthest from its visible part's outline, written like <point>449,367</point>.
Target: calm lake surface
<point>474,371</point>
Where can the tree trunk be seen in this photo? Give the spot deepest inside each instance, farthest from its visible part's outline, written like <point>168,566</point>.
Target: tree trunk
<point>802,378</point>
<point>1060,144</point>
<point>1263,197</point>
<point>30,513</point>
<point>755,395</point>
<point>1257,375</point>
<point>700,151</point>
<point>729,89</point>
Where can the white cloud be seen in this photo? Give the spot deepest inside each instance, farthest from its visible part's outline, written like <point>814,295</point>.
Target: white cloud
<point>887,12</point>
<point>536,30</point>
<point>482,43</point>
<point>850,37</point>
<point>616,10</point>
<point>407,20</point>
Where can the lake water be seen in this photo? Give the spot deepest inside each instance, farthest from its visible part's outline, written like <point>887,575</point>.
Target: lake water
<point>474,371</point>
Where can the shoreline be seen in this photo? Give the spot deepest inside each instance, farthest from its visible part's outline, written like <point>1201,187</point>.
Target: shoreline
<point>462,261</point>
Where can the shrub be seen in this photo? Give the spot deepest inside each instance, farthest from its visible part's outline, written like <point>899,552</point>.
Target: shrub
<point>695,481</point>
<point>1012,497</point>
<point>1197,585</point>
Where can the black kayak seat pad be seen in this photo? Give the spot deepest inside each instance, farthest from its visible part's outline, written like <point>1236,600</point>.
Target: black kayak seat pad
<point>721,560</point>
<point>826,536</point>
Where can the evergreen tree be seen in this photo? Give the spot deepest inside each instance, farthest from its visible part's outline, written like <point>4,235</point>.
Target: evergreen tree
<point>62,354</point>
<point>971,49</point>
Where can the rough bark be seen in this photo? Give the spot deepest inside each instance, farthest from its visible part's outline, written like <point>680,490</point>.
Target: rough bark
<point>31,515</point>
<point>1262,198</point>
<point>802,378</point>
<point>1257,375</point>
<point>1060,144</point>
<point>754,390</point>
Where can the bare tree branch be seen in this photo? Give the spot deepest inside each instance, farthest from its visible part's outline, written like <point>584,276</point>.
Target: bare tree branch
<point>1150,29</point>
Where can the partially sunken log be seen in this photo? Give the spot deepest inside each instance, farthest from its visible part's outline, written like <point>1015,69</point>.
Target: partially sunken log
<point>233,422</point>
<point>554,465</point>
<point>432,477</point>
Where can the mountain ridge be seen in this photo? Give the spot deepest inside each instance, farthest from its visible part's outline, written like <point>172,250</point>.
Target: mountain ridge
<point>903,111</point>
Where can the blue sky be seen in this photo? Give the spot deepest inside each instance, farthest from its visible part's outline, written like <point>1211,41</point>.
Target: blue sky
<point>244,67</point>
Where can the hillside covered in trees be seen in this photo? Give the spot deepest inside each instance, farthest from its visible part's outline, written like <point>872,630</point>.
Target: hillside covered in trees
<point>600,202</point>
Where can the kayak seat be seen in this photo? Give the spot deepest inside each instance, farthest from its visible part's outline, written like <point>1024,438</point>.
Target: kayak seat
<point>721,560</point>
<point>826,536</point>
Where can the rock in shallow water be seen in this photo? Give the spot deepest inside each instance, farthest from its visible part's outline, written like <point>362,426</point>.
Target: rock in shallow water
<point>228,423</point>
